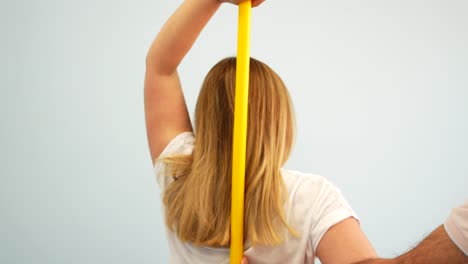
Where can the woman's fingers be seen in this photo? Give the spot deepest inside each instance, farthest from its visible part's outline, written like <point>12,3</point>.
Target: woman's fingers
<point>244,261</point>
<point>255,3</point>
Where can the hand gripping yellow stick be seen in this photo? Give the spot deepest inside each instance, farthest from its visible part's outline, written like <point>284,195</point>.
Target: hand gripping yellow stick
<point>240,132</point>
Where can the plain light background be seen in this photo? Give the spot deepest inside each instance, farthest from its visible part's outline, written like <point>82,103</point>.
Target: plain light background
<point>380,89</point>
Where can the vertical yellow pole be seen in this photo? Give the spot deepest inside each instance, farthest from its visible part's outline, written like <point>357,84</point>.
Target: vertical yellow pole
<point>240,132</point>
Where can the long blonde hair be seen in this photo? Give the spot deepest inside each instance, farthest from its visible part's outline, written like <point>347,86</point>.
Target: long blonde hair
<point>198,202</point>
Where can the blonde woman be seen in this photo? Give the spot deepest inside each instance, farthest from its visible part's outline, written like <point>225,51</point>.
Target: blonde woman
<point>290,217</point>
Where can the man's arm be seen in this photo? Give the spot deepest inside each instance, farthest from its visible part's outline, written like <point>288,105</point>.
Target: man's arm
<point>437,248</point>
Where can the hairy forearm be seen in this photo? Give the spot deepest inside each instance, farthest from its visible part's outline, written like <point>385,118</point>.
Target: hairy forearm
<point>178,34</point>
<point>437,248</point>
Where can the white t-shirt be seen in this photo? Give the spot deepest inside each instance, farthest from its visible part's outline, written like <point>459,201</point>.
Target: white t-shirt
<point>456,226</point>
<point>313,206</point>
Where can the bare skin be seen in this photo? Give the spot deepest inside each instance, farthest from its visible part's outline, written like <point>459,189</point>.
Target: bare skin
<point>436,248</point>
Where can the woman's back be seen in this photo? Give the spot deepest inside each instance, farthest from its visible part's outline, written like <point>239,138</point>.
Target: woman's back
<point>313,206</point>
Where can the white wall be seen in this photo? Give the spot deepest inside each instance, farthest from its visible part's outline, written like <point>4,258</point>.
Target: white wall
<point>380,89</point>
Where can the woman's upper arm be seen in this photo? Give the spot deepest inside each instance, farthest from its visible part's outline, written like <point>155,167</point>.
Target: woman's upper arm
<point>166,113</point>
<point>344,243</point>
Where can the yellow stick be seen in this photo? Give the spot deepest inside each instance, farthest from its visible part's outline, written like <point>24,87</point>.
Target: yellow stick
<point>240,132</point>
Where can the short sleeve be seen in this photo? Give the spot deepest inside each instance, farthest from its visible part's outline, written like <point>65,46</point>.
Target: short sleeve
<point>328,209</point>
<point>456,226</point>
<point>180,145</point>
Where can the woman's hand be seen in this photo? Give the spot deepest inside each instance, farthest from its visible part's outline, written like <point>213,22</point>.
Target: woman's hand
<point>255,3</point>
<point>244,260</point>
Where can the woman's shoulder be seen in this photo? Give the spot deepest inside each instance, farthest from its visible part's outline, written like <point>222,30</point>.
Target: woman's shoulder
<point>294,177</point>
<point>314,203</point>
<point>180,144</point>
<point>310,187</point>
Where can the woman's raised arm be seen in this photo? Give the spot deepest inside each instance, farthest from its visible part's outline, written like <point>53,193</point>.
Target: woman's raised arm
<point>165,109</point>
